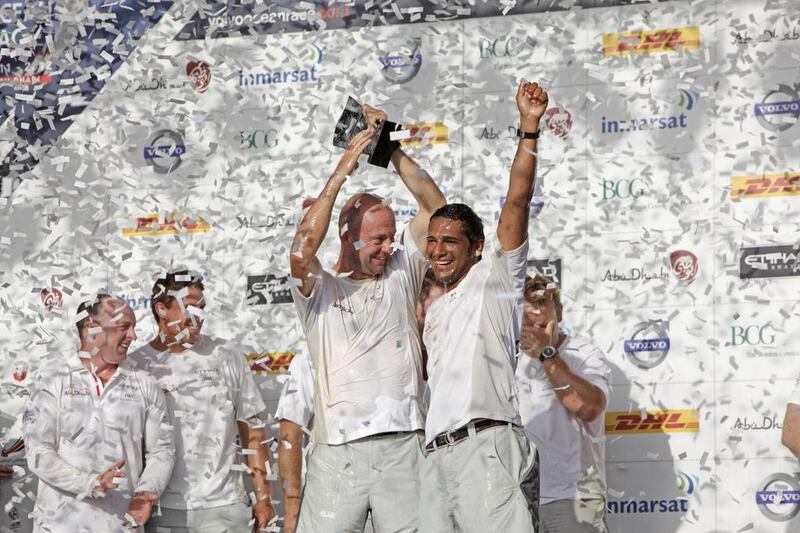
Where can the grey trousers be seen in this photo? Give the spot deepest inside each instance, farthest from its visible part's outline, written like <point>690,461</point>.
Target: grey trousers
<point>226,519</point>
<point>573,516</point>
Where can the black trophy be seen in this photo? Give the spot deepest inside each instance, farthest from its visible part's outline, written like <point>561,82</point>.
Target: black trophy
<point>352,121</point>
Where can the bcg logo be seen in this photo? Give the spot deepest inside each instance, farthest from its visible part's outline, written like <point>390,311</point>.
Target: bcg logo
<point>269,363</point>
<point>755,335</point>
<point>266,138</point>
<point>648,344</point>
<point>670,421</point>
<point>623,189</point>
<point>779,497</point>
<point>499,47</point>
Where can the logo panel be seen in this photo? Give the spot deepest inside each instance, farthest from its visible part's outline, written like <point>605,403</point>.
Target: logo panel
<point>651,41</point>
<point>778,261</point>
<point>649,422</point>
<point>766,186</point>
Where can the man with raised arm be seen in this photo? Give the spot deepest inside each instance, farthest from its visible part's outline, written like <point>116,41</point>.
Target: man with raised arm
<point>477,454</point>
<point>359,320</point>
<point>97,432</point>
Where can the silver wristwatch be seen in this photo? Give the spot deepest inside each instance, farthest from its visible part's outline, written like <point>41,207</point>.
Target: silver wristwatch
<point>548,352</point>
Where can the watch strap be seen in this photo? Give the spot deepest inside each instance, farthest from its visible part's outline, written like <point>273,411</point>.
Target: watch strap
<point>528,135</point>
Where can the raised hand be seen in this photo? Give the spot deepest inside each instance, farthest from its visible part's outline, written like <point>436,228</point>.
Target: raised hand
<point>373,115</point>
<point>532,103</point>
<point>108,480</point>
<point>535,337</point>
<point>348,163</point>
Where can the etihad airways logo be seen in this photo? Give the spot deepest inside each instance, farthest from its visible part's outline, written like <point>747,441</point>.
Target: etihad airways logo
<point>649,422</point>
<point>651,41</point>
<point>766,186</point>
<point>769,262</point>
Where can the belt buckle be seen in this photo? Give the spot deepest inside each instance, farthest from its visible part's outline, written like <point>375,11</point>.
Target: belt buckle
<point>448,437</point>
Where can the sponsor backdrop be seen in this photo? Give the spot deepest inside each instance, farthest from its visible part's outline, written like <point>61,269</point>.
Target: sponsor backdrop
<point>149,136</point>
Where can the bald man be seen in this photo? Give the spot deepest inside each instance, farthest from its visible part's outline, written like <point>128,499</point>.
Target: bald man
<point>364,344</point>
<point>97,433</point>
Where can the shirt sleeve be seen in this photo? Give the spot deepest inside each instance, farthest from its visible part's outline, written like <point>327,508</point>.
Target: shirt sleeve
<point>297,398</point>
<point>40,427</point>
<point>307,307</point>
<point>159,442</point>
<point>596,370</point>
<point>247,397</point>
<point>505,288</point>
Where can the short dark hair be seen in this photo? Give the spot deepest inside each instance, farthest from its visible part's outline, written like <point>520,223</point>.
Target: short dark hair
<point>92,308</point>
<point>470,221</point>
<point>173,282</point>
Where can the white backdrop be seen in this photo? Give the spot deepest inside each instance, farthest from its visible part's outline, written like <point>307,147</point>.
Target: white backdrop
<point>711,354</point>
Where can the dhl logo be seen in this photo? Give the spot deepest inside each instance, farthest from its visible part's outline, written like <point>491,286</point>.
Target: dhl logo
<point>150,225</point>
<point>651,42</point>
<point>426,133</point>
<point>270,363</point>
<point>671,421</point>
<point>765,186</point>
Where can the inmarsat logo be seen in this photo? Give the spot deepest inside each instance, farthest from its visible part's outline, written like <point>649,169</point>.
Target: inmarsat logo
<point>779,497</point>
<point>403,64</point>
<point>687,99</point>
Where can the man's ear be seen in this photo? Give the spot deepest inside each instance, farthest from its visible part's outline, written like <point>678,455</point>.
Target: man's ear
<point>161,309</point>
<point>478,248</point>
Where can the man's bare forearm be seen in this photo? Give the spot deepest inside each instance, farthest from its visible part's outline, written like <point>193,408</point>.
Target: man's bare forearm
<point>577,395</point>
<point>254,439</point>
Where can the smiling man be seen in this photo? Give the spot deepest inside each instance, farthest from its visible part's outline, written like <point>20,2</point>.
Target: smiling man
<point>478,456</point>
<point>212,400</point>
<point>97,433</point>
<point>360,323</point>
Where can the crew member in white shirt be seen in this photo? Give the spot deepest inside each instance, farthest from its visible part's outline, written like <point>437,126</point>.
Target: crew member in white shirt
<point>562,386</point>
<point>212,399</point>
<point>478,456</point>
<point>295,414</point>
<point>97,433</point>
<point>360,325</point>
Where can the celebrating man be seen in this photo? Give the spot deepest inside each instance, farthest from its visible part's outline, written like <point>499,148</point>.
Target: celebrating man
<point>362,337</point>
<point>212,400</point>
<point>97,433</point>
<point>477,454</point>
<point>562,385</point>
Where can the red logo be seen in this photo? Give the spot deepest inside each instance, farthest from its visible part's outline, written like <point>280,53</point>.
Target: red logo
<point>20,372</point>
<point>52,299</point>
<point>684,264</point>
<point>200,73</point>
<point>559,120</point>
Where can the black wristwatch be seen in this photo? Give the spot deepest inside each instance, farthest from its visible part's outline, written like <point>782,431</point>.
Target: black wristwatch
<point>548,352</point>
<point>528,135</point>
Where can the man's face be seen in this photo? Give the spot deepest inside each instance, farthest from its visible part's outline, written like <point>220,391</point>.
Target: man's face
<point>118,324</point>
<point>539,309</point>
<point>182,323</point>
<point>449,250</point>
<point>374,245</point>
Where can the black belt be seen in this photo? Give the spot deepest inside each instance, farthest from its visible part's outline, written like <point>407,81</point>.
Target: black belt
<point>457,435</point>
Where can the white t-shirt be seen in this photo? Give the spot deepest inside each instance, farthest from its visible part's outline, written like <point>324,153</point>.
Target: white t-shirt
<point>297,397</point>
<point>471,334</point>
<point>209,388</point>
<point>75,428</point>
<point>571,451</point>
<point>365,349</point>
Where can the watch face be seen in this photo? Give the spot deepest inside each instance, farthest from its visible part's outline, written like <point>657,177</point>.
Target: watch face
<point>548,352</point>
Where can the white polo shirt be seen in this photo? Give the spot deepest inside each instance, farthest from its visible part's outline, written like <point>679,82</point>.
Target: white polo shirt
<point>296,403</point>
<point>571,451</point>
<point>471,335</point>
<point>75,428</point>
<point>209,388</point>
<point>365,349</point>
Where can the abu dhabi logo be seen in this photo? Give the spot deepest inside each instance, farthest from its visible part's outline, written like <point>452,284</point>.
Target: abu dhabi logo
<point>164,151</point>
<point>200,73</point>
<point>684,265</point>
<point>648,344</point>
<point>559,121</point>
<point>780,109</point>
<point>401,65</point>
<point>779,497</point>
